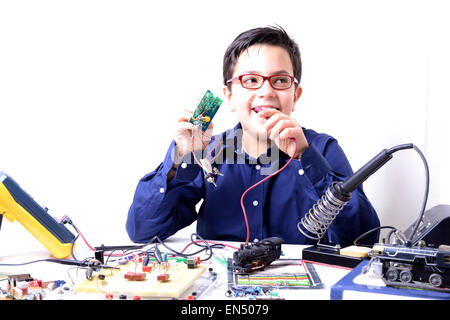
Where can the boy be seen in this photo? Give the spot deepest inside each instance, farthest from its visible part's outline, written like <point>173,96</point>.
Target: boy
<point>262,71</point>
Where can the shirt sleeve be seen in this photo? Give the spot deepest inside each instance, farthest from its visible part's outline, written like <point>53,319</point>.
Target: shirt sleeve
<point>324,162</point>
<point>160,208</point>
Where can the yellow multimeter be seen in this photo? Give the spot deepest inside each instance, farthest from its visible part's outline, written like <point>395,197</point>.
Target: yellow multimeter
<point>16,204</point>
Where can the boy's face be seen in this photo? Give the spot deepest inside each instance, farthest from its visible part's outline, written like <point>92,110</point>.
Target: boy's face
<point>265,60</point>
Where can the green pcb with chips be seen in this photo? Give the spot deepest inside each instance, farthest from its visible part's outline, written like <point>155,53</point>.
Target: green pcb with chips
<point>206,110</point>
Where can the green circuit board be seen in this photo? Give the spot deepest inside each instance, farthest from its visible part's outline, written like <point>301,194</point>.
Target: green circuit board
<point>206,110</point>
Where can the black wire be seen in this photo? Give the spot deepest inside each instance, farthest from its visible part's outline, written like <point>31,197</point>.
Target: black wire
<point>207,245</point>
<point>424,201</point>
<point>425,197</point>
<point>389,235</point>
<point>400,147</point>
<point>30,262</point>
<point>185,255</point>
<point>72,246</point>
<point>23,263</point>
<point>204,247</point>
<point>369,232</point>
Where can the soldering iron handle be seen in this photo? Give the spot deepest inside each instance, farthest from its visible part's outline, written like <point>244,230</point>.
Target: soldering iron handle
<point>370,168</point>
<point>365,172</point>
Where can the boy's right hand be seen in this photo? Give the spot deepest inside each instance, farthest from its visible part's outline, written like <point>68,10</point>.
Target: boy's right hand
<point>189,137</point>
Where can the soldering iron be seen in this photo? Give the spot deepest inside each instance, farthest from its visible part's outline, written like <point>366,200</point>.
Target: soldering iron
<point>317,220</point>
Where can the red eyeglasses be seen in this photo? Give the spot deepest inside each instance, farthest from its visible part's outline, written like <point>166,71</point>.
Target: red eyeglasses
<point>255,81</point>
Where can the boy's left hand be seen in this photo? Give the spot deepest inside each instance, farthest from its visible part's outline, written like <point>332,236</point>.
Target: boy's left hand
<point>281,128</point>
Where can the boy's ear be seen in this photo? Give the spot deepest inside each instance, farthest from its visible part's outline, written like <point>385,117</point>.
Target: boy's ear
<point>227,95</point>
<point>297,94</point>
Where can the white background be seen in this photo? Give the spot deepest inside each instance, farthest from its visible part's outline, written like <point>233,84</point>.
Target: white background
<point>90,92</point>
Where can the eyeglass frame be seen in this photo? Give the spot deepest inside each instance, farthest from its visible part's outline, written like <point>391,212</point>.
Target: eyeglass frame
<point>293,80</point>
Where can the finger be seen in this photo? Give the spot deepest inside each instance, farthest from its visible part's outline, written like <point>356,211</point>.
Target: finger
<point>288,133</point>
<point>200,138</point>
<point>188,113</point>
<point>198,131</point>
<point>186,116</point>
<point>272,120</point>
<point>296,135</point>
<point>278,127</point>
<point>185,126</point>
<point>210,127</point>
<point>268,112</point>
<point>183,119</point>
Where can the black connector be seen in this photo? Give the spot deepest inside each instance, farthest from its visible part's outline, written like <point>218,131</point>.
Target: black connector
<point>145,260</point>
<point>65,220</point>
<point>100,256</point>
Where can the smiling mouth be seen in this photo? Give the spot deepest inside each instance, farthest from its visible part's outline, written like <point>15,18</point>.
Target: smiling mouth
<point>258,109</point>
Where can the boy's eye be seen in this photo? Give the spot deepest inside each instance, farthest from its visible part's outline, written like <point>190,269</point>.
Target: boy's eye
<point>280,80</point>
<point>250,79</point>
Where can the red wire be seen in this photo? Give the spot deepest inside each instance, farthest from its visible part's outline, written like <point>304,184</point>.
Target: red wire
<point>258,183</point>
<point>85,241</point>
<point>90,247</point>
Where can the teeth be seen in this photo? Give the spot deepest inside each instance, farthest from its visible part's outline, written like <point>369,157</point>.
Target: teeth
<point>259,108</point>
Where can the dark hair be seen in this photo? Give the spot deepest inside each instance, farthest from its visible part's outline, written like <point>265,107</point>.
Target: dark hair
<point>276,36</point>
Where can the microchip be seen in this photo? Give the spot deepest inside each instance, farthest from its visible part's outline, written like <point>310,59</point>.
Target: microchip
<point>206,110</point>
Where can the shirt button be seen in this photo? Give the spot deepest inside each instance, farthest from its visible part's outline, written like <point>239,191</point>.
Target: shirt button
<point>255,203</point>
<point>184,165</point>
<point>301,172</point>
<point>258,167</point>
<point>161,190</point>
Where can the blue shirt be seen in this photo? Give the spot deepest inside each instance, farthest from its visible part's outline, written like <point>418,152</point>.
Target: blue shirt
<point>273,208</point>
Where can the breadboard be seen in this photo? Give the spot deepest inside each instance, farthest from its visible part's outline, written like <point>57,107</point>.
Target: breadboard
<point>181,278</point>
<point>281,274</point>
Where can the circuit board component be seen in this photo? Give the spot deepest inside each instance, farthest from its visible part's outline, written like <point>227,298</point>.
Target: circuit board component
<point>206,110</point>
